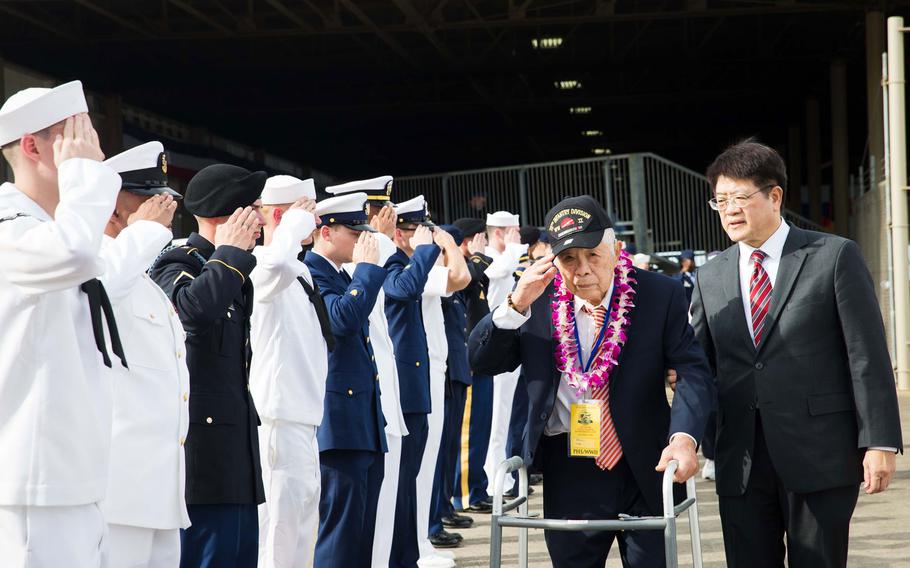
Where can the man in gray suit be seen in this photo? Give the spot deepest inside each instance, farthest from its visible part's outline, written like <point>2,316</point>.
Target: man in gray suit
<point>807,407</point>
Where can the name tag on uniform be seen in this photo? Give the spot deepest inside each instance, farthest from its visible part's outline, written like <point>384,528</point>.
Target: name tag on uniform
<point>584,430</point>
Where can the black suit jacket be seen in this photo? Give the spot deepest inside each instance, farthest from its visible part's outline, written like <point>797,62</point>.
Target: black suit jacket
<point>211,290</point>
<point>659,338</point>
<point>821,377</point>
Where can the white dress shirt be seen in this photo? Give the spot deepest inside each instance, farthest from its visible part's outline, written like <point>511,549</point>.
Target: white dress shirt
<point>773,249</point>
<point>384,350</point>
<point>290,358</point>
<point>501,271</point>
<point>151,398</point>
<point>55,404</point>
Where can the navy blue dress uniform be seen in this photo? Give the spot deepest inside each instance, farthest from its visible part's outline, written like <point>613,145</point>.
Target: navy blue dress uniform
<point>470,487</point>
<point>211,290</point>
<point>458,379</point>
<point>659,337</point>
<point>403,288</point>
<point>352,434</point>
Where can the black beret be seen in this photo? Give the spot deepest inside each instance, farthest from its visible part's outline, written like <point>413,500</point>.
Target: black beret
<point>470,226</point>
<point>218,190</point>
<point>529,234</point>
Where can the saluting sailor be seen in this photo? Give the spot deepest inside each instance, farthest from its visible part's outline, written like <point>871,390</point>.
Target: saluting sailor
<point>448,275</point>
<point>382,217</point>
<point>55,403</point>
<point>351,437</point>
<point>289,334</point>
<point>208,280</point>
<point>506,250</point>
<point>145,506</point>
<point>404,286</point>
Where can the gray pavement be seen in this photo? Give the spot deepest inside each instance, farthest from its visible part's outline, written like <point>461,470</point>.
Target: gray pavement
<point>879,538</point>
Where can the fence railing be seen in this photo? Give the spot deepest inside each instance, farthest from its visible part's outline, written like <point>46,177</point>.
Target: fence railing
<point>655,203</point>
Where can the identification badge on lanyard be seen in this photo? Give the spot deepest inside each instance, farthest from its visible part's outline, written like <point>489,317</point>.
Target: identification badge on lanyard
<point>584,429</point>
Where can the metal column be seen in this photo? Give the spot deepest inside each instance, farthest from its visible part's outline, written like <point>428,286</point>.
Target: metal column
<point>639,203</point>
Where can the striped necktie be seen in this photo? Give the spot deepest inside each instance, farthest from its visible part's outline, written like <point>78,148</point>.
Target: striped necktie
<point>759,295</point>
<point>610,448</point>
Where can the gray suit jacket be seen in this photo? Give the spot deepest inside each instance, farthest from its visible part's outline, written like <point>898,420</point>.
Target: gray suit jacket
<point>821,378</point>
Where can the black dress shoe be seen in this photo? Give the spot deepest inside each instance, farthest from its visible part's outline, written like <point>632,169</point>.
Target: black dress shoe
<point>481,507</point>
<point>457,521</point>
<point>535,479</point>
<point>443,539</point>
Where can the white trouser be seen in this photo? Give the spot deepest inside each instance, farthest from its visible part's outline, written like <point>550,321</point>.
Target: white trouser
<point>53,537</point>
<point>290,475</point>
<point>139,547</point>
<point>430,455</point>
<point>503,395</point>
<point>388,498</point>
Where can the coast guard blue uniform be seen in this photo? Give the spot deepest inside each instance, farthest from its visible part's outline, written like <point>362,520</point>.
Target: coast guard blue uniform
<point>403,290</point>
<point>352,434</point>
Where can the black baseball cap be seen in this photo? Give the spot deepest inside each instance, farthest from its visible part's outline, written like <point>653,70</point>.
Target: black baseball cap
<point>577,222</point>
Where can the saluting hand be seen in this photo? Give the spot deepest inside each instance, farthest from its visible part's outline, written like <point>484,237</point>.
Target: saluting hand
<point>422,236</point>
<point>533,282</point>
<point>513,236</point>
<point>79,140</point>
<point>478,244</point>
<point>306,204</point>
<point>385,221</point>
<point>443,239</point>
<point>366,249</point>
<point>240,230</point>
<point>158,208</point>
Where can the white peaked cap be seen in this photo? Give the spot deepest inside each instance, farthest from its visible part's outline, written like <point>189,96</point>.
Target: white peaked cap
<point>141,157</point>
<point>502,219</point>
<point>287,189</point>
<point>411,205</point>
<point>347,203</point>
<point>373,184</point>
<point>32,110</point>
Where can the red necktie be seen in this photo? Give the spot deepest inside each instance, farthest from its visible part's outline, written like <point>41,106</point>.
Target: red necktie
<point>610,448</point>
<point>759,295</point>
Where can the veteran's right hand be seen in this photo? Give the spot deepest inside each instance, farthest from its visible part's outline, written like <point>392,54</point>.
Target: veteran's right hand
<point>79,140</point>
<point>239,230</point>
<point>533,282</point>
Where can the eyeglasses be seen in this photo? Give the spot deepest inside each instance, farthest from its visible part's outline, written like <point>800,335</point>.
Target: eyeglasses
<point>738,201</point>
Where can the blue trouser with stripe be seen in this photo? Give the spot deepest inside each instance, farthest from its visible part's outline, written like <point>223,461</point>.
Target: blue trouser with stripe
<point>470,479</point>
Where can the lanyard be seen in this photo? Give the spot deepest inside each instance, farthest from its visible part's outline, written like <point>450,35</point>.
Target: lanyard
<point>600,337</point>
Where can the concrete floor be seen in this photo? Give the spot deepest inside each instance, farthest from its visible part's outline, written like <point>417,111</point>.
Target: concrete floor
<point>880,535</point>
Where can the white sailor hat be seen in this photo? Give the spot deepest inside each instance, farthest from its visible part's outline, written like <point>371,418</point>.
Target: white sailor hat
<point>32,110</point>
<point>143,170</point>
<point>349,210</point>
<point>280,190</point>
<point>378,190</point>
<point>413,211</point>
<point>502,219</point>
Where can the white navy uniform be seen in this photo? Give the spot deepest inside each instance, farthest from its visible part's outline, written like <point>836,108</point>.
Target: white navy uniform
<point>54,434</point>
<point>145,506</point>
<point>287,380</point>
<point>55,403</point>
<point>501,274</point>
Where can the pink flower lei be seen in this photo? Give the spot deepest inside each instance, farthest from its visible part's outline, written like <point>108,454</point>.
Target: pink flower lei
<point>567,352</point>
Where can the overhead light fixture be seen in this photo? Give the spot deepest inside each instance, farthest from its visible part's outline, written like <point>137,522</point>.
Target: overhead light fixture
<point>546,42</point>
<point>567,84</point>
<point>592,133</point>
<point>601,151</point>
<point>579,110</point>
